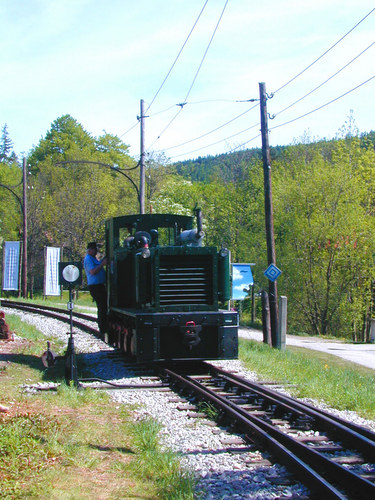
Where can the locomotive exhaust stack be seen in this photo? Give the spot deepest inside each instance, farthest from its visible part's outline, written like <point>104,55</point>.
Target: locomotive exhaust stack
<point>194,237</point>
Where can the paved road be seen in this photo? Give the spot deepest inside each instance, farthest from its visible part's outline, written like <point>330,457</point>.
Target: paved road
<point>363,354</point>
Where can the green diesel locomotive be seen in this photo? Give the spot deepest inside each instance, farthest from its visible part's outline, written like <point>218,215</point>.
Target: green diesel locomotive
<point>165,290</point>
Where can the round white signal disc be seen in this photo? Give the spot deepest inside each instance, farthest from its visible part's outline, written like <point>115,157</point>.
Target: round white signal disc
<point>70,273</point>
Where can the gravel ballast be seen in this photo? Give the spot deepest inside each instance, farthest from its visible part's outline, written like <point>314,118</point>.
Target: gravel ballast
<point>212,452</point>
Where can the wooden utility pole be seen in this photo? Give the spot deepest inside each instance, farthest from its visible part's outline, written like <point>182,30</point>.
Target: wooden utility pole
<point>142,164</point>
<point>271,252</point>
<point>24,213</point>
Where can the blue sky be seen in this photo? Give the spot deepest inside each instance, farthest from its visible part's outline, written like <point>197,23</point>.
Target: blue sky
<point>95,60</point>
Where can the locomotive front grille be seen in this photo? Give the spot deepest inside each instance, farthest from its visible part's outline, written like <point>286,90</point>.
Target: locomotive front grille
<point>185,282</point>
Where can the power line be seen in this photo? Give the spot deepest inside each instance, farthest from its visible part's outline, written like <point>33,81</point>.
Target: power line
<point>205,53</point>
<point>277,126</point>
<point>323,105</point>
<point>131,128</point>
<point>178,55</point>
<point>325,81</point>
<point>244,143</point>
<point>218,142</point>
<point>174,62</point>
<point>205,101</point>
<point>195,77</point>
<point>212,131</point>
<point>324,53</point>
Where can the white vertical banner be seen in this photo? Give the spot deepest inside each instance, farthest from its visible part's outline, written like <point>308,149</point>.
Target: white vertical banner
<point>51,271</point>
<point>11,265</point>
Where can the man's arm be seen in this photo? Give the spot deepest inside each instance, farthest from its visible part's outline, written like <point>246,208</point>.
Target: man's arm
<point>95,270</point>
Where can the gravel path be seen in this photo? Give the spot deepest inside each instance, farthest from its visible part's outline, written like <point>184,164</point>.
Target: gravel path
<point>212,452</point>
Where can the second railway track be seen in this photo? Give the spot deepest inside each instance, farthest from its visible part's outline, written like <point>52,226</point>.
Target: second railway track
<point>56,313</point>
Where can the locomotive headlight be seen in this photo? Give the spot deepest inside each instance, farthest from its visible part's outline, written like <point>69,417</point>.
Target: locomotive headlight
<point>224,252</point>
<point>145,253</point>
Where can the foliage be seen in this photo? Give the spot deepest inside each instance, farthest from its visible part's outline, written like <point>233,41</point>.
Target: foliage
<point>74,191</point>
<point>79,445</point>
<point>324,207</point>
<point>7,155</point>
<point>324,236</point>
<point>10,200</point>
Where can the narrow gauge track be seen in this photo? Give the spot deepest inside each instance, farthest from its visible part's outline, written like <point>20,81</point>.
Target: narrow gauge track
<point>54,312</point>
<point>327,454</point>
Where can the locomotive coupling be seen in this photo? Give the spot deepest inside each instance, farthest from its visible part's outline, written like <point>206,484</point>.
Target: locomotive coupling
<point>190,334</point>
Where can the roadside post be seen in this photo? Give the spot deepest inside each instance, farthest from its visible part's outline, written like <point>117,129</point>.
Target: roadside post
<point>266,319</point>
<point>372,331</point>
<point>70,275</point>
<point>283,312</point>
<point>272,273</point>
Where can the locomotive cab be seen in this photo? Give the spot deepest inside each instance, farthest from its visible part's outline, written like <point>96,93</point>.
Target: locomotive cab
<point>165,290</point>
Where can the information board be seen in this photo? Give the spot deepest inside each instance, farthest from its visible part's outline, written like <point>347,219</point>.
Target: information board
<point>242,278</point>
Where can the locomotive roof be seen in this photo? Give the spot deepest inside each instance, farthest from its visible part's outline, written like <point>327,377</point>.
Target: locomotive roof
<point>146,222</point>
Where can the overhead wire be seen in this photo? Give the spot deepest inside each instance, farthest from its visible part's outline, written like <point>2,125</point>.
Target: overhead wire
<point>194,79</point>
<point>130,129</point>
<point>224,100</point>
<point>218,142</point>
<point>324,82</point>
<point>298,100</point>
<point>323,105</point>
<point>324,53</point>
<point>212,131</point>
<point>191,103</point>
<point>244,143</point>
<point>170,70</point>
<point>178,55</point>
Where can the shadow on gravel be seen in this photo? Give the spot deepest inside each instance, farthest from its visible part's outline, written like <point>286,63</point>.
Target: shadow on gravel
<point>255,482</point>
<point>109,366</point>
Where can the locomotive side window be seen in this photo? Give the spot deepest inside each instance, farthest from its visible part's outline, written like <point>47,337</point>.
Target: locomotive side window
<point>166,236</point>
<point>123,234</point>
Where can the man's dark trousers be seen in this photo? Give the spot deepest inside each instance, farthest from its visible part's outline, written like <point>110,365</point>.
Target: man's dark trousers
<point>99,294</point>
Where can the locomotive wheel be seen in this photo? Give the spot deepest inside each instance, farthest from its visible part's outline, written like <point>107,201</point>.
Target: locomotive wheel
<point>119,341</point>
<point>132,345</point>
<point>124,344</point>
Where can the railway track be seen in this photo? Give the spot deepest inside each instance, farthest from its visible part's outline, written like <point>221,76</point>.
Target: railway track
<point>332,457</point>
<point>56,313</point>
<point>327,454</point>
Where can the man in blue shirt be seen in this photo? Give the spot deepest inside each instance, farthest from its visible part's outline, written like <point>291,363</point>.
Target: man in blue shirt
<point>95,273</point>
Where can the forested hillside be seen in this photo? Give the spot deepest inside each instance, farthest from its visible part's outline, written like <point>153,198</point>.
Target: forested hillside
<point>324,207</point>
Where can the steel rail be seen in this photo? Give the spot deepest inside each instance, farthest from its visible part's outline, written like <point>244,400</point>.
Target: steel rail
<point>54,313</point>
<point>362,439</point>
<point>254,432</point>
<point>16,304</point>
<point>310,466</point>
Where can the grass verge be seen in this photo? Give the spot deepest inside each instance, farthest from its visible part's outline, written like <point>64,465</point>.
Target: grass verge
<point>341,384</point>
<point>82,301</point>
<point>75,444</point>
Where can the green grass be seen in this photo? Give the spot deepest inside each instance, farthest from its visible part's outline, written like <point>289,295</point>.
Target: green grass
<point>73,443</point>
<point>84,300</point>
<point>341,384</point>
<point>162,467</point>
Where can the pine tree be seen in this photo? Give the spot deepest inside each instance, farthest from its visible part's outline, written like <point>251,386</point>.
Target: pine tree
<point>6,146</point>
